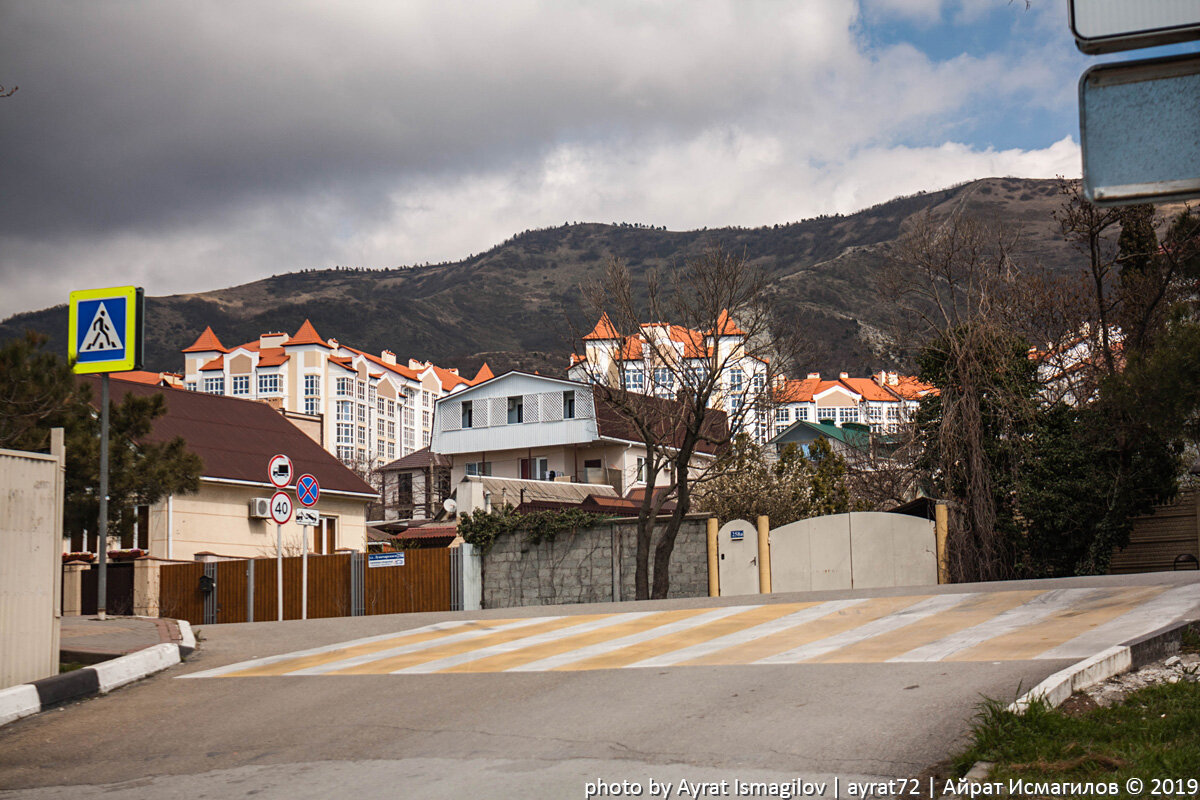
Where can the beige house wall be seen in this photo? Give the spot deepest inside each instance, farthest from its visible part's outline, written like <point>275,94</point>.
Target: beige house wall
<point>217,520</point>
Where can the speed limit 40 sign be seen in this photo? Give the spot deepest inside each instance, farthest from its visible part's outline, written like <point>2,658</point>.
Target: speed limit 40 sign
<point>281,507</point>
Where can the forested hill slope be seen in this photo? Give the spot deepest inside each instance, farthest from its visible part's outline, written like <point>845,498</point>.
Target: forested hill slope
<point>510,305</point>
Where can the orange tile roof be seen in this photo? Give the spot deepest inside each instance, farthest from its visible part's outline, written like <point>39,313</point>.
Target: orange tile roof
<point>449,379</point>
<point>604,329</point>
<point>272,357</point>
<point>307,335</point>
<point>149,378</point>
<point>216,363</point>
<point>869,389</point>
<point>910,388</point>
<point>726,326</point>
<point>484,374</point>
<point>207,341</point>
<point>800,390</point>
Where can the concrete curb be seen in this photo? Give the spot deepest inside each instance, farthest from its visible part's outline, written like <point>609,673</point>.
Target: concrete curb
<point>1114,661</point>
<point>30,698</point>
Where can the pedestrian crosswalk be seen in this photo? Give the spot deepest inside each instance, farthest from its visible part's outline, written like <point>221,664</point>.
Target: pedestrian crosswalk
<point>973,626</point>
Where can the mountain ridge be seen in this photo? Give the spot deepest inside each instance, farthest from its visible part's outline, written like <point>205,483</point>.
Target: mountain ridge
<point>514,305</point>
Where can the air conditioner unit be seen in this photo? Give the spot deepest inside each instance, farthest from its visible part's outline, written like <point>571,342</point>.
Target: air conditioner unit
<point>260,507</point>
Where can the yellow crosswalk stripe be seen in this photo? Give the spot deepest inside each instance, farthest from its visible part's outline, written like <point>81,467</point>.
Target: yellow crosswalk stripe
<point>701,633</point>
<point>975,610</point>
<point>393,663</point>
<point>837,622</point>
<point>503,661</point>
<point>329,656</point>
<point>1027,642</point>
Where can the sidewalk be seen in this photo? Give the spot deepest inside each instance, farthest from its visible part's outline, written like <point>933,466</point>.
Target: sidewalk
<point>88,640</point>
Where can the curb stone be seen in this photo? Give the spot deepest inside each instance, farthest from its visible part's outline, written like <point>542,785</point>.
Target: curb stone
<point>1114,661</point>
<point>31,698</point>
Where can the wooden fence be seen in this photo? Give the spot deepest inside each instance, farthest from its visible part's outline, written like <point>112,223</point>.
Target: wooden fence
<point>340,585</point>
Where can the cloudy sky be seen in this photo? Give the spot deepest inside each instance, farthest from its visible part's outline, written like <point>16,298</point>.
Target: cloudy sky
<point>187,146</point>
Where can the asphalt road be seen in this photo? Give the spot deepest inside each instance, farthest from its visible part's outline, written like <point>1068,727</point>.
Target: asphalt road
<point>510,734</point>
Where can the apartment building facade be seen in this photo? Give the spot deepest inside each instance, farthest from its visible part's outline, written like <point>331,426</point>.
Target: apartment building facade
<point>663,359</point>
<point>364,408</point>
<point>884,401</point>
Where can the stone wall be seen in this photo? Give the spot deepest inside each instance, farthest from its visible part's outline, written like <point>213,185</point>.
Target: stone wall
<point>585,566</point>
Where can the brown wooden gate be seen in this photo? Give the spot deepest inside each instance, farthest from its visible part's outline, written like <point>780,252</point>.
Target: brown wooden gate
<point>118,589</point>
<point>422,583</point>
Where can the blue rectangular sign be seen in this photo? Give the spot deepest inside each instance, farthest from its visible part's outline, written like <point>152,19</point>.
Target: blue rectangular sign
<point>737,536</point>
<point>385,559</point>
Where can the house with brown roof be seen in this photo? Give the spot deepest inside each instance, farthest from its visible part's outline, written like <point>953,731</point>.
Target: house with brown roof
<point>235,439</point>
<point>366,409</point>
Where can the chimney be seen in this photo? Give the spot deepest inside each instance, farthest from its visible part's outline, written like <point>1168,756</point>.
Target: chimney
<point>334,344</point>
<point>814,376</point>
<point>388,357</point>
<point>843,375</point>
<point>272,340</point>
<point>893,379</point>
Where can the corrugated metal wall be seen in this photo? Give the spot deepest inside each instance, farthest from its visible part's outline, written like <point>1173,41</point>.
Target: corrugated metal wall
<point>31,496</point>
<point>1168,539</point>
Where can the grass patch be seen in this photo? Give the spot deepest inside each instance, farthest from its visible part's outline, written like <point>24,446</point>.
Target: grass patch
<point>1153,733</point>
<point>69,666</point>
<point>1190,641</point>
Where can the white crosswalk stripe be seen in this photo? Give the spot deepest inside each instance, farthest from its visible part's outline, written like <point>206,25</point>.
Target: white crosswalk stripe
<point>1019,624</point>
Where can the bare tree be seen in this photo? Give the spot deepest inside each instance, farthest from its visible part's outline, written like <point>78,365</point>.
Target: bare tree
<point>957,299</point>
<point>685,369</point>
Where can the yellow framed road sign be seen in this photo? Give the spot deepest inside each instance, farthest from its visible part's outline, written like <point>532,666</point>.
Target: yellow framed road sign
<point>105,329</point>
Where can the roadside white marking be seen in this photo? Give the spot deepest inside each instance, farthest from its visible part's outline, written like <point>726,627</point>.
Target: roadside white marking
<point>901,618</point>
<point>749,634</point>
<point>519,644</point>
<point>1142,619</point>
<point>1036,609</point>
<point>367,658</point>
<point>616,644</point>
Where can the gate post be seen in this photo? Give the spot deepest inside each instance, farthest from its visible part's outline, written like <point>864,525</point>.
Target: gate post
<point>764,555</point>
<point>210,599</point>
<point>358,594</point>
<point>72,587</point>
<point>941,528</point>
<point>146,588</point>
<point>714,583</point>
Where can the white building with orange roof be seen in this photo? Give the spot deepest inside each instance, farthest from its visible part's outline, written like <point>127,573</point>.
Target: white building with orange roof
<point>366,409</point>
<point>662,358</point>
<point>884,401</point>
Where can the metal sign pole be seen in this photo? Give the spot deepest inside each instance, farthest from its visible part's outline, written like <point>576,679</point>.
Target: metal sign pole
<point>279,567</point>
<point>102,532</point>
<point>304,573</point>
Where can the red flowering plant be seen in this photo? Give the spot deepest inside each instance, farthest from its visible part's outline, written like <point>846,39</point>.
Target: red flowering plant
<point>78,557</point>
<point>126,555</point>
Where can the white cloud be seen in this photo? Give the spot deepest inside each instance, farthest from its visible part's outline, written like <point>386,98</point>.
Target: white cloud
<point>259,138</point>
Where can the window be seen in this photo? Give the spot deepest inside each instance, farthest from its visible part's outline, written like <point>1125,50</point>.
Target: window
<point>379,404</point>
<point>269,384</point>
<point>875,413</point>
<point>312,394</point>
<point>361,388</point>
<point>345,454</point>
<point>479,468</point>
<point>425,421</point>
<point>664,381</point>
<point>379,428</point>
<point>826,415</point>
<point>516,410</point>
<point>641,470</point>
<point>215,385</point>
<point>240,385</point>
<point>379,448</point>
<point>893,413</point>
<point>345,387</point>
<point>467,415</point>
<point>847,415</point>
<point>635,379</point>
<point>371,394</point>
<point>362,434</point>
<point>736,378</point>
<point>345,433</point>
<point>735,403</point>
<point>758,382</point>
<point>190,386</point>
<point>783,414</point>
<point>391,430</point>
<point>391,408</point>
<point>391,449</point>
<point>426,398</point>
<point>568,405</point>
<point>345,411</point>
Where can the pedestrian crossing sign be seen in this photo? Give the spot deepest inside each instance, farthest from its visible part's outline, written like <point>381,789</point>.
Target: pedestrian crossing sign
<point>105,330</point>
